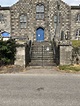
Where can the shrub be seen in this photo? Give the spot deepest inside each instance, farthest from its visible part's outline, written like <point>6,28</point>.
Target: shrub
<point>7,52</point>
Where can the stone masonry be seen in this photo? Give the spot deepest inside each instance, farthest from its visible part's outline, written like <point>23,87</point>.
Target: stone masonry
<point>66,25</point>
<point>11,22</point>
<point>20,55</point>
<point>65,54</point>
<point>75,25</point>
<point>5,19</point>
<point>28,7</point>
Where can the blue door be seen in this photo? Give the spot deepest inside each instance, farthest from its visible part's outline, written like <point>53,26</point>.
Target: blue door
<point>40,34</point>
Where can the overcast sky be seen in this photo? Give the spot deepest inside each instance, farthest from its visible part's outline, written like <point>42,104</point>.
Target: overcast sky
<point>11,2</point>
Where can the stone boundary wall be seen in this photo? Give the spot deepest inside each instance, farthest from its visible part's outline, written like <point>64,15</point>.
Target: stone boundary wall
<point>20,56</point>
<point>65,55</point>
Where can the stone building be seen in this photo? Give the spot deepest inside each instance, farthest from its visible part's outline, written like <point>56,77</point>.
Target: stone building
<point>5,20</point>
<point>29,18</point>
<point>75,22</point>
<point>42,20</point>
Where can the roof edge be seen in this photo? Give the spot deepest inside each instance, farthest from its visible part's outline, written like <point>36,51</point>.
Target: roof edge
<point>75,7</point>
<point>4,8</point>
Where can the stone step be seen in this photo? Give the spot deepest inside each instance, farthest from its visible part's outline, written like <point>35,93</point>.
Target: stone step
<point>42,43</point>
<point>41,49</point>
<point>42,60</point>
<point>41,63</point>
<point>42,54</point>
<point>39,58</point>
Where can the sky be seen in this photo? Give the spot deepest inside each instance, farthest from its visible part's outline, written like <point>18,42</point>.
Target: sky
<point>11,2</point>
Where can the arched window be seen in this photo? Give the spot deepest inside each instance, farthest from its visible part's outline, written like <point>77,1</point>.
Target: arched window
<point>40,11</point>
<point>78,17</point>
<point>23,21</point>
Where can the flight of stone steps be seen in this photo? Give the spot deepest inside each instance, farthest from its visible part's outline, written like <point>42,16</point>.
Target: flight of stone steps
<point>42,54</point>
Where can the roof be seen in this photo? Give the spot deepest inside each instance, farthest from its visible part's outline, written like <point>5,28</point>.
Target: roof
<point>4,8</point>
<point>75,7</point>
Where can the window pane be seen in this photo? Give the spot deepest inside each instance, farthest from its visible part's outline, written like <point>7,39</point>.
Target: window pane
<point>55,25</point>
<point>55,19</point>
<point>40,11</point>
<point>37,8</point>
<point>23,25</point>
<point>22,18</point>
<point>1,17</point>
<point>40,8</point>
<point>78,32</point>
<point>78,17</point>
<point>40,16</point>
<point>23,21</point>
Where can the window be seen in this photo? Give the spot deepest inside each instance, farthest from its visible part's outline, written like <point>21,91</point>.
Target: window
<point>23,21</point>
<point>1,17</point>
<point>78,32</point>
<point>40,11</point>
<point>55,21</point>
<point>78,17</point>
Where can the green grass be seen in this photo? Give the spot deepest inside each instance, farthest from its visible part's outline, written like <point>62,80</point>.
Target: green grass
<point>70,68</point>
<point>76,43</point>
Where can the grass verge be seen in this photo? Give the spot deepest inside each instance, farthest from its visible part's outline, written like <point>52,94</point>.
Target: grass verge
<point>70,68</point>
<point>76,43</point>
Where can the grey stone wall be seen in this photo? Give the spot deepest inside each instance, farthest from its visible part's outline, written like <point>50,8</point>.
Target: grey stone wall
<point>74,24</point>
<point>5,24</point>
<point>20,55</point>
<point>23,6</point>
<point>65,17</point>
<point>29,7</point>
<point>65,54</point>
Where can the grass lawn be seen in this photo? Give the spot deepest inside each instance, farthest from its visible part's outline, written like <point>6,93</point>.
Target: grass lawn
<point>70,68</point>
<point>75,43</point>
